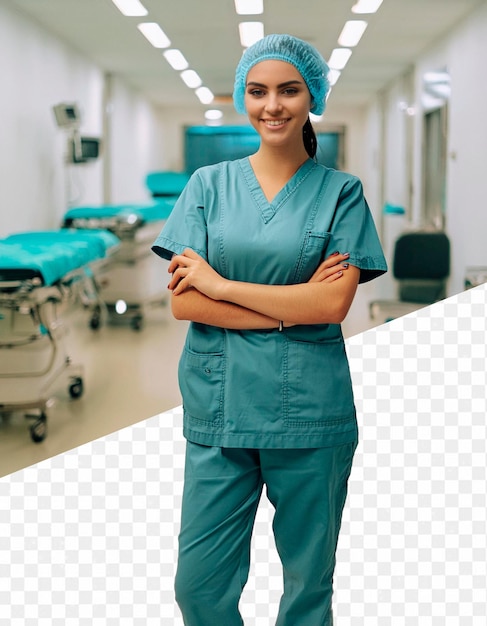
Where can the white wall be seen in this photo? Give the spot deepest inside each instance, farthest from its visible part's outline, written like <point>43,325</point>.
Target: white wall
<point>37,71</point>
<point>466,219</point>
<point>462,52</point>
<point>396,163</point>
<point>173,122</point>
<point>136,144</point>
<point>36,187</point>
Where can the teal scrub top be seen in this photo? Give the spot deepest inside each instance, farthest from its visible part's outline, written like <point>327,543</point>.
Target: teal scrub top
<point>265,388</point>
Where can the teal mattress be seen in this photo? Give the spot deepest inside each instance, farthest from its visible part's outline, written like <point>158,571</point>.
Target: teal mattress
<point>166,184</point>
<point>51,255</point>
<point>143,213</point>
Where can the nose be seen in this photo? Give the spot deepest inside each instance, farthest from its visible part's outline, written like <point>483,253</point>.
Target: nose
<point>273,103</point>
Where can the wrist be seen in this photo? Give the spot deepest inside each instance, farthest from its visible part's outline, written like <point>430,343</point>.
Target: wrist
<point>223,290</point>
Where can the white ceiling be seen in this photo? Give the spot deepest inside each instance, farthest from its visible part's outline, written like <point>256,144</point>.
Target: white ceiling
<point>206,31</point>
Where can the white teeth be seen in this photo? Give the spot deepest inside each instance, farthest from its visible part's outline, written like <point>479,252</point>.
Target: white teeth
<point>275,122</point>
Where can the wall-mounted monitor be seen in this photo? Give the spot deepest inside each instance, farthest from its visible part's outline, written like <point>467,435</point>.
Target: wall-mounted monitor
<point>83,149</point>
<point>67,115</point>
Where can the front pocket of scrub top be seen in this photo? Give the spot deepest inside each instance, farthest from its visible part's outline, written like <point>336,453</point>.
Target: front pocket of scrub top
<point>201,378</point>
<point>318,387</point>
<point>313,253</point>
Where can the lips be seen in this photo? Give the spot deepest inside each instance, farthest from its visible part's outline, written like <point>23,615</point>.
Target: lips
<point>275,123</point>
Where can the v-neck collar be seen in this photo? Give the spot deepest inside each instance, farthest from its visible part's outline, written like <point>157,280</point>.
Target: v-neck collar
<point>266,208</point>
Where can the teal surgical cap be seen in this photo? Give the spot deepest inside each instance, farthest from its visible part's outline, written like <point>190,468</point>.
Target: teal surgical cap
<point>305,58</point>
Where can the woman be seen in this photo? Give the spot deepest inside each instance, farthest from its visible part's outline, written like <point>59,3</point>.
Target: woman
<point>266,254</point>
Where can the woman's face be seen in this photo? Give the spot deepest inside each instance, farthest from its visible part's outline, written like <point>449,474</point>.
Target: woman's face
<point>278,102</point>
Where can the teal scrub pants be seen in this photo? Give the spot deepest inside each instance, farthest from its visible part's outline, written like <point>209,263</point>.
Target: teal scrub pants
<point>222,489</point>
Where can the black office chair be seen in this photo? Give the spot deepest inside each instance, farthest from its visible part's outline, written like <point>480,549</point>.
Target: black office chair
<point>421,266</point>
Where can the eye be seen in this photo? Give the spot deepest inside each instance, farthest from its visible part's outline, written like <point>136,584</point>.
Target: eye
<point>290,91</point>
<point>254,91</point>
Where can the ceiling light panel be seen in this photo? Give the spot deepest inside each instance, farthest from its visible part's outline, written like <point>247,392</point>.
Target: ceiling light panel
<point>352,33</point>
<point>154,34</point>
<point>339,58</point>
<point>249,7</point>
<point>191,78</point>
<point>176,59</point>
<point>131,8</point>
<point>213,114</point>
<point>250,32</point>
<point>333,76</point>
<point>366,6</point>
<point>436,77</point>
<point>204,95</point>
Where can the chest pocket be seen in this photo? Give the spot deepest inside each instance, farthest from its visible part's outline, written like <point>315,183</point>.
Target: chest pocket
<point>313,252</point>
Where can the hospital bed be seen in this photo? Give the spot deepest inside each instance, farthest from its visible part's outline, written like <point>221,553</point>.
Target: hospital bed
<point>40,272</point>
<point>166,185</point>
<point>136,279</point>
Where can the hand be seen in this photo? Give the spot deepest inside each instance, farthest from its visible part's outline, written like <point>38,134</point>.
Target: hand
<point>189,269</point>
<point>330,269</point>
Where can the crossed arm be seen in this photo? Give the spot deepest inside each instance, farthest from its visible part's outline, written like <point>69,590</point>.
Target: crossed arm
<point>202,295</point>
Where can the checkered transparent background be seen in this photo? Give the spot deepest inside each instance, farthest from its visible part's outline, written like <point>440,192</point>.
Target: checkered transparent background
<point>90,536</point>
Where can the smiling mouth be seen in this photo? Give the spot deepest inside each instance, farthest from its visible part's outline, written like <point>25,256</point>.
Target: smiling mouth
<point>275,122</point>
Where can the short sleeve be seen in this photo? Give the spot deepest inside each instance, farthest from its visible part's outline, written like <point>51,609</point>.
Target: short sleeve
<point>353,230</point>
<point>186,225</point>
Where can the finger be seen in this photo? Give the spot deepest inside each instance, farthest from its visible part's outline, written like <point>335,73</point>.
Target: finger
<point>172,283</point>
<point>182,259</point>
<point>334,259</point>
<point>176,278</point>
<point>174,263</point>
<point>333,277</point>
<point>328,271</point>
<point>191,254</point>
<point>324,273</point>
<point>181,286</point>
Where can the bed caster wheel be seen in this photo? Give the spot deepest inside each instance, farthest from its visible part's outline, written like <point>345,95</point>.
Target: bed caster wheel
<point>76,388</point>
<point>95,322</point>
<point>137,322</point>
<point>38,430</point>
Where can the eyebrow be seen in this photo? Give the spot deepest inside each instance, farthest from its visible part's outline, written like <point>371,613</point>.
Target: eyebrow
<point>280,86</point>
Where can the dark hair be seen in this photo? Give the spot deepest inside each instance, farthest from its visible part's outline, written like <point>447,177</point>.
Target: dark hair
<point>309,138</point>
